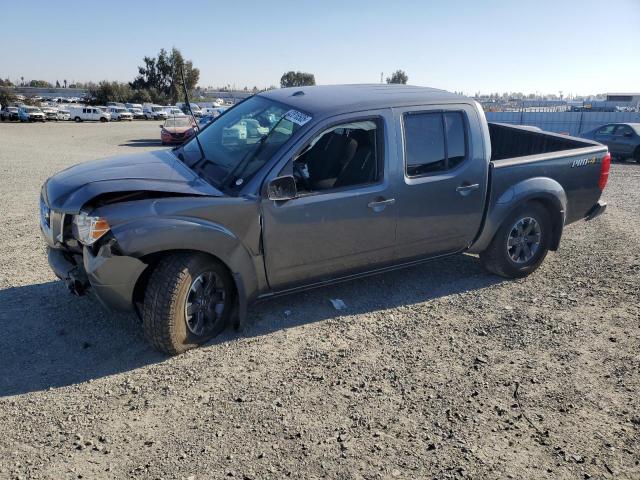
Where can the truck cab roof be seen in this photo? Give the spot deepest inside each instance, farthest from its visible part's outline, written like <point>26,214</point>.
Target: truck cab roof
<point>328,100</point>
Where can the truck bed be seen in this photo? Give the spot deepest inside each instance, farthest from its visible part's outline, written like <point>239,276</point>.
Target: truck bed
<point>525,154</point>
<point>509,142</point>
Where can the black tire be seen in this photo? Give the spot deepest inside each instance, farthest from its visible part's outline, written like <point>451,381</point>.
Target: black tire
<point>636,154</point>
<point>103,120</point>
<point>497,258</point>
<point>164,313</point>
<point>77,119</point>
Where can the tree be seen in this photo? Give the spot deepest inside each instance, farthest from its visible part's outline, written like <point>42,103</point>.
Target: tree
<point>297,79</point>
<point>111,92</point>
<point>162,74</point>
<point>399,76</point>
<point>65,83</point>
<point>6,96</point>
<point>39,83</point>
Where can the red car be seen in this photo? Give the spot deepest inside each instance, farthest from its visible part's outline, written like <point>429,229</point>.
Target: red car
<point>177,130</point>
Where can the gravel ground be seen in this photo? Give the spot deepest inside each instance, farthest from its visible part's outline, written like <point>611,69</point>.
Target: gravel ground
<point>438,371</point>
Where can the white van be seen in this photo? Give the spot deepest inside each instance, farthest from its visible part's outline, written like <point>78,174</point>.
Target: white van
<point>154,112</point>
<point>80,114</point>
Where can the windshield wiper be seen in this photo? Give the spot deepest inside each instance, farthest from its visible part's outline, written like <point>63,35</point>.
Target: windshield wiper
<point>242,164</point>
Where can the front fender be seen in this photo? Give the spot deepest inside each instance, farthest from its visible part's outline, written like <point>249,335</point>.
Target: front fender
<point>542,189</point>
<point>153,235</point>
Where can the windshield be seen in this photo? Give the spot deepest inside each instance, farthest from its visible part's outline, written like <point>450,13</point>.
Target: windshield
<point>158,109</point>
<point>178,122</point>
<point>32,109</point>
<point>238,143</point>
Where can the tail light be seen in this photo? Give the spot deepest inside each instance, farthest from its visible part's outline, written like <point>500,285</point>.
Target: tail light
<point>605,165</point>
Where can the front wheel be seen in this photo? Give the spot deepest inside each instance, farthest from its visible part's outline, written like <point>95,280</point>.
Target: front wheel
<point>188,300</point>
<point>521,243</point>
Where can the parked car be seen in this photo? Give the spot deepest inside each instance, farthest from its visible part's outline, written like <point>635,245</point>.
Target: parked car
<point>349,181</point>
<point>81,114</point>
<point>213,111</point>
<point>174,112</point>
<point>623,139</point>
<point>197,111</point>
<point>30,114</point>
<point>177,130</point>
<point>116,104</point>
<point>50,113</point>
<point>120,113</point>
<point>154,112</point>
<point>9,113</point>
<point>137,113</point>
<point>63,114</point>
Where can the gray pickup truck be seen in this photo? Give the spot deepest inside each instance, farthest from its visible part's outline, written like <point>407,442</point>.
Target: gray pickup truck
<point>297,188</point>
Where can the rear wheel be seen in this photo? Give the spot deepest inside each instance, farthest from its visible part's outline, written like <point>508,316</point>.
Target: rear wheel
<point>521,243</point>
<point>188,301</point>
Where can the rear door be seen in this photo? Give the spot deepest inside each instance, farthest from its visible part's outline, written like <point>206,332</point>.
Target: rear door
<point>444,179</point>
<point>336,226</point>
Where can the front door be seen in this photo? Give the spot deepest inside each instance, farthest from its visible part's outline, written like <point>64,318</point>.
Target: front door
<point>344,218</point>
<point>445,170</point>
<point>622,140</point>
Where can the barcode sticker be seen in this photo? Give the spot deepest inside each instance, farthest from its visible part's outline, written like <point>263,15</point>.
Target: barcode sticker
<point>297,117</point>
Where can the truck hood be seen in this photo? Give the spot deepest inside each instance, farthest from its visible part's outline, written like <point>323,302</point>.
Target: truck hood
<point>158,171</point>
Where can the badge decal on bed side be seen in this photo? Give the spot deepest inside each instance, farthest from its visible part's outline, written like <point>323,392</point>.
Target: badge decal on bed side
<point>581,162</point>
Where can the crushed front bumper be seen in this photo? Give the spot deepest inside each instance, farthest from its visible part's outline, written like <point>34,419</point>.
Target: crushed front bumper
<point>112,278</point>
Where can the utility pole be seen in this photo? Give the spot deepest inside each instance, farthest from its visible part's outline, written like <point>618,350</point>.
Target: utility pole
<point>381,76</point>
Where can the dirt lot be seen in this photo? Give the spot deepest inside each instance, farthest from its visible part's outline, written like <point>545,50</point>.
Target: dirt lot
<point>439,371</point>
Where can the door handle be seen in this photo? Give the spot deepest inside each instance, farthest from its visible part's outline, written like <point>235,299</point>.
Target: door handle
<point>376,204</point>
<point>466,188</point>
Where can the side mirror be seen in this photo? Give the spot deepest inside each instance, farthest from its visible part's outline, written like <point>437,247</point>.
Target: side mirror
<point>282,188</point>
<point>161,126</point>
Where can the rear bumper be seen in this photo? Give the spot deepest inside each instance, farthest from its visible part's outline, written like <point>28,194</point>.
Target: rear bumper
<point>112,278</point>
<point>597,210</point>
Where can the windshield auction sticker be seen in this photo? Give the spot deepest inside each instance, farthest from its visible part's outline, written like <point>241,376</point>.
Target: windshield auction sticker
<point>297,117</point>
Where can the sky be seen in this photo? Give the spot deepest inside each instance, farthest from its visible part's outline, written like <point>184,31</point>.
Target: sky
<point>577,46</point>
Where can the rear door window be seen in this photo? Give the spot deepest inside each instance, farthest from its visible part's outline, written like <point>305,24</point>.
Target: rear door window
<point>424,143</point>
<point>434,142</point>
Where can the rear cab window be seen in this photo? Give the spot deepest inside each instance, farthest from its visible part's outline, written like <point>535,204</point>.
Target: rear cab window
<point>434,142</point>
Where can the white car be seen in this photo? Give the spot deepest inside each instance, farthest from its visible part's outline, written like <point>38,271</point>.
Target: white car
<point>64,115</point>
<point>85,113</point>
<point>136,112</point>
<point>120,113</point>
<point>50,113</point>
<point>174,112</point>
<point>154,112</point>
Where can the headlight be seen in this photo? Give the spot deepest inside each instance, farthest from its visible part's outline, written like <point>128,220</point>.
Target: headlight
<point>88,229</point>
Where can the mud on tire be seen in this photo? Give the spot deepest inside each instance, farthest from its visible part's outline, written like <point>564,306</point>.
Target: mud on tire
<point>165,307</point>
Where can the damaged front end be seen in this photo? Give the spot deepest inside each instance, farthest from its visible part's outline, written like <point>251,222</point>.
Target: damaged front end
<point>98,266</point>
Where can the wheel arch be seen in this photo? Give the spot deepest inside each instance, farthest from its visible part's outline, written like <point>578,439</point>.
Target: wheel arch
<point>153,239</point>
<point>545,191</point>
